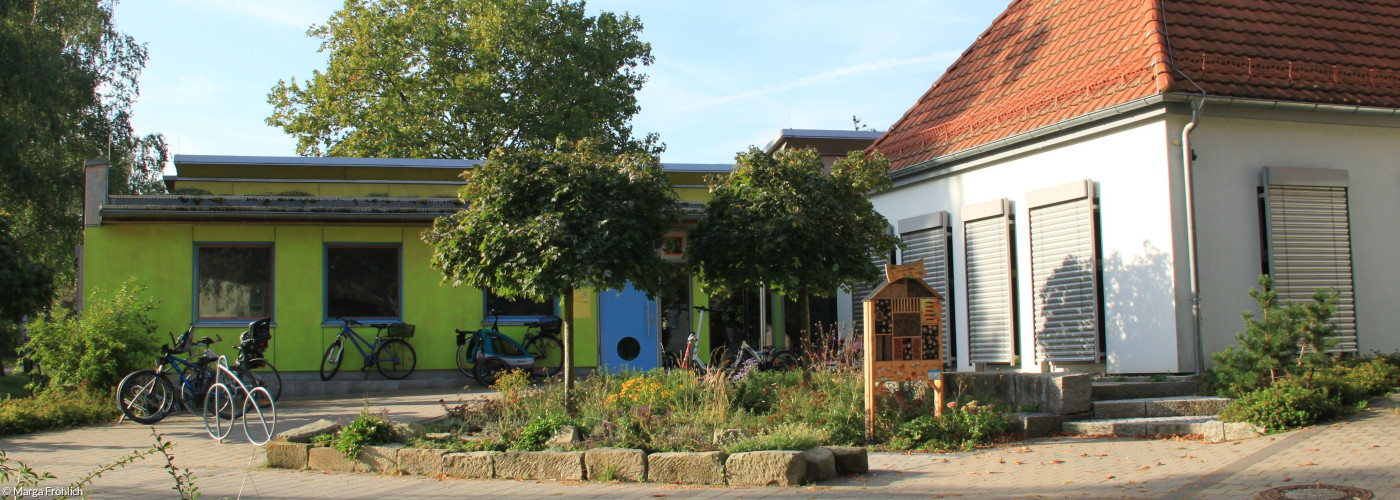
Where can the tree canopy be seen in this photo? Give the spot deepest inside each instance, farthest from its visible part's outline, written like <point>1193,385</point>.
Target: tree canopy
<point>779,220</point>
<point>68,79</point>
<point>541,223</point>
<point>459,78</point>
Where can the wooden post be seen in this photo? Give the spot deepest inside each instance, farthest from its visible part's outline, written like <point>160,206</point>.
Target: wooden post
<point>868,368</point>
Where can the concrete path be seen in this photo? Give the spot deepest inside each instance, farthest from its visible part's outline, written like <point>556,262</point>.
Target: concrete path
<point>1363,451</point>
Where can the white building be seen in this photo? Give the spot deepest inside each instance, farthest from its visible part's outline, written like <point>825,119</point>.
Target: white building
<point>1044,180</point>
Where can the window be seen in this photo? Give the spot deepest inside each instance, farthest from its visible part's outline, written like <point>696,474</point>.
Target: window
<point>1307,240</point>
<point>1064,273</point>
<point>363,281</point>
<point>928,237</point>
<point>861,291</point>
<point>991,289</point>
<point>233,282</point>
<point>518,306</point>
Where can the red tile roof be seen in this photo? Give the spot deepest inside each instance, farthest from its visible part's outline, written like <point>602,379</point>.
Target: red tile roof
<point>1046,61</point>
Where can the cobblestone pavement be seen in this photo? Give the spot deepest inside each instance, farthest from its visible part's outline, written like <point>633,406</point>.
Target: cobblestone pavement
<point>1363,451</point>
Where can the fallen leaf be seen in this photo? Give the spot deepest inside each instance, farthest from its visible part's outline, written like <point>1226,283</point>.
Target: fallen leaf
<point>1159,464</point>
<point>1108,476</point>
<point>1083,454</point>
<point>1103,454</point>
<point>1018,462</point>
<point>1067,481</point>
<point>1145,467</point>
<point>1312,449</point>
<point>943,460</point>
<point>1001,460</point>
<point>1307,464</point>
<point>994,472</point>
<point>1287,479</point>
<point>1057,461</point>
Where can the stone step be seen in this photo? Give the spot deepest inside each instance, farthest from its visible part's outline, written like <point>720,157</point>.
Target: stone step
<point>1209,428</point>
<point>1040,424</point>
<point>1133,389</point>
<point>1171,406</point>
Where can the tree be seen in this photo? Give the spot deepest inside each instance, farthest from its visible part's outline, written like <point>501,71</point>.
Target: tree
<point>778,220</point>
<point>542,223</point>
<point>68,79</point>
<point>459,78</point>
<point>1285,339</point>
<point>25,286</point>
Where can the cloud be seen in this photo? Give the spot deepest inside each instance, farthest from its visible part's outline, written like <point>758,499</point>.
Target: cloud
<point>299,14</point>
<point>810,80</point>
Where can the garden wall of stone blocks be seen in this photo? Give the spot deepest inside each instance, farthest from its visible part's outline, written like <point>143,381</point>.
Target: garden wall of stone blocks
<point>757,468</point>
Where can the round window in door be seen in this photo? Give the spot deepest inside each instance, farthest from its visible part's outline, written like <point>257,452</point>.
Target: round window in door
<point>628,348</point>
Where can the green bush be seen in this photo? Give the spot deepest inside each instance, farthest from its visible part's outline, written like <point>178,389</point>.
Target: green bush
<point>366,430</point>
<point>534,434</point>
<point>114,336</point>
<point>1285,339</point>
<point>1282,406</point>
<point>960,427</point>
<point>791,436</point>
<point>55,409</point>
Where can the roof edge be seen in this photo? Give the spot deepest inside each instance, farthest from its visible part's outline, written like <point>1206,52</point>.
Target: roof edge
<point>1160,57</point>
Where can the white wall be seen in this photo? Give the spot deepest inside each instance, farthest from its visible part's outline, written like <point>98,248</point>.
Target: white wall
<point>1131,167</point>
<point>1232,150</point>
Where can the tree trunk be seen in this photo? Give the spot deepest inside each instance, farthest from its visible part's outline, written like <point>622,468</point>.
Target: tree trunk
<point>569,351</point>
<point>805,302</point>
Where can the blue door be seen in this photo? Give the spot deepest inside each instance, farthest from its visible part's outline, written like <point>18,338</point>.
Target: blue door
<point>627,330</point>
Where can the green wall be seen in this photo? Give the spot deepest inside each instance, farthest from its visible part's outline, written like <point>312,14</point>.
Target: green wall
<point>160,256</point>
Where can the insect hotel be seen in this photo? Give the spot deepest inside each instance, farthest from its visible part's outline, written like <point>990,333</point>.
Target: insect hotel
<point>903,335</point>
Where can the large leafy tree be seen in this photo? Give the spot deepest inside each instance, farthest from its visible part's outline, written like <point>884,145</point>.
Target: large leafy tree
<point>541,223</point>
<point>68,79</point>
<point>779,220</point>
<point>459,78</point>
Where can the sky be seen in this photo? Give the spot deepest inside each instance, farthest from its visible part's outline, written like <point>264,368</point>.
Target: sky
<point>727,74</point>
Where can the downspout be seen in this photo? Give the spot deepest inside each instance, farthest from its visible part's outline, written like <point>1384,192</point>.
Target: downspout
<point>1188,179</point>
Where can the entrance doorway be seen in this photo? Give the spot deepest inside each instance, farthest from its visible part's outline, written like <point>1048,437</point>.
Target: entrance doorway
<point>627,330</point>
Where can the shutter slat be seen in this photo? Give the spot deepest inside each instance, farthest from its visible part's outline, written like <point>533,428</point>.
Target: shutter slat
<point>1064,279</point>
<point>932,245</point>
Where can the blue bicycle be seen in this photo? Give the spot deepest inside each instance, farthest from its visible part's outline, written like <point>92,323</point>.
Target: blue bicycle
<point>148,396</point>
<point>393,357</point>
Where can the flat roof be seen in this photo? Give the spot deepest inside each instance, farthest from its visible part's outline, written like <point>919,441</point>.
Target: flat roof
<point>808,133</point>
<point>319,161</point>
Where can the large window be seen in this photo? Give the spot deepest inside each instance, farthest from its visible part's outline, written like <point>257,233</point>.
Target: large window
<point>929,237</point>
<point>233,282</point>
<point>518,306</point>
<point>1065,273</point>
<point>991,289</point>
<point>363,281</point>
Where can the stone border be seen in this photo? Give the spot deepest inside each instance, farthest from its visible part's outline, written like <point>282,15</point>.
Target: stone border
<point>759,468</point>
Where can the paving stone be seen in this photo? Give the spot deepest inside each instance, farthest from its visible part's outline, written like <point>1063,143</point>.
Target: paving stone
<point>686,468</point>
<point>766,468</point>
<point>850,459</point>
<point>473,464</point>
<point>304,433</point>
<point>539,465</point>
<point>821,464</point>
<point>422,462</point>
<point>623,464</point>
<point>285,455</point>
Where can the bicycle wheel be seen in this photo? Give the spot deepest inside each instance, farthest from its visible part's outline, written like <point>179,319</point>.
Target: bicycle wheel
<point>265,375</point>
<point>785,360</point>
<point>192,391</point>
<point>330,362</point>
<point>548,353</point>
<point>466,358</point>
<point>145,396</point>
<point>489,370</point>
<point>395,359</point>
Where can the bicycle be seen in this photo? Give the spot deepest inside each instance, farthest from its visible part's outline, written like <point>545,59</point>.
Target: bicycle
<point>148,396</point>
<point>488,353</point>
<point>690,360</point>
<point>252,344</point>
<point>767,359</point>
<point>393,357</point>
<point>542,342</point>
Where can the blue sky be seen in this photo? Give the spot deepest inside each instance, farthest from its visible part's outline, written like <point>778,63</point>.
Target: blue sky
<point>728,74</point>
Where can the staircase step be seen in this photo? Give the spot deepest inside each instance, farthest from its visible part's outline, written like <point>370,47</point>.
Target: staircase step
<point>1040,424</point>
<point>1209,428</point>
<point>1170,406</point>
<point>1131,389</point>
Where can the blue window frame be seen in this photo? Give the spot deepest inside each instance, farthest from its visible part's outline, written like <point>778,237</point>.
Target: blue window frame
<point>364,281</point>
<point>233,282</point>
<point>516,310</point>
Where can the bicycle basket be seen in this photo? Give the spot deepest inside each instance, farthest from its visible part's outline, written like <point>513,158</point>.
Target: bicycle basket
<point>399,331</point>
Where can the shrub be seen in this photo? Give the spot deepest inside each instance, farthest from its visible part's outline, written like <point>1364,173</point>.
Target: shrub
<point>55,409</point>
<point>535,433</point>
<point>961,427</point>
<point>114,336</point>
<point>791,436</point>
<point>1285,339</point>
<point>1282,406</point>
<point>366,430</point>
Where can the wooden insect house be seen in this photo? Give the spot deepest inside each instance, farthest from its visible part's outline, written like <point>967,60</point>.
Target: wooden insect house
<point>903,334</point>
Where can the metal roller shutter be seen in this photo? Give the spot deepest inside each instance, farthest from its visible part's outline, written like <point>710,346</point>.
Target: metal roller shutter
<point>1064,276</point>
<point>931,244</point>
<point>991,328</point>
<point>858,294</point>
<point>1308,235</point>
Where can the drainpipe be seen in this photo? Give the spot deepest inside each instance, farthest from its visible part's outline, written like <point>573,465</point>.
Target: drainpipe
<point>1196,105</point>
